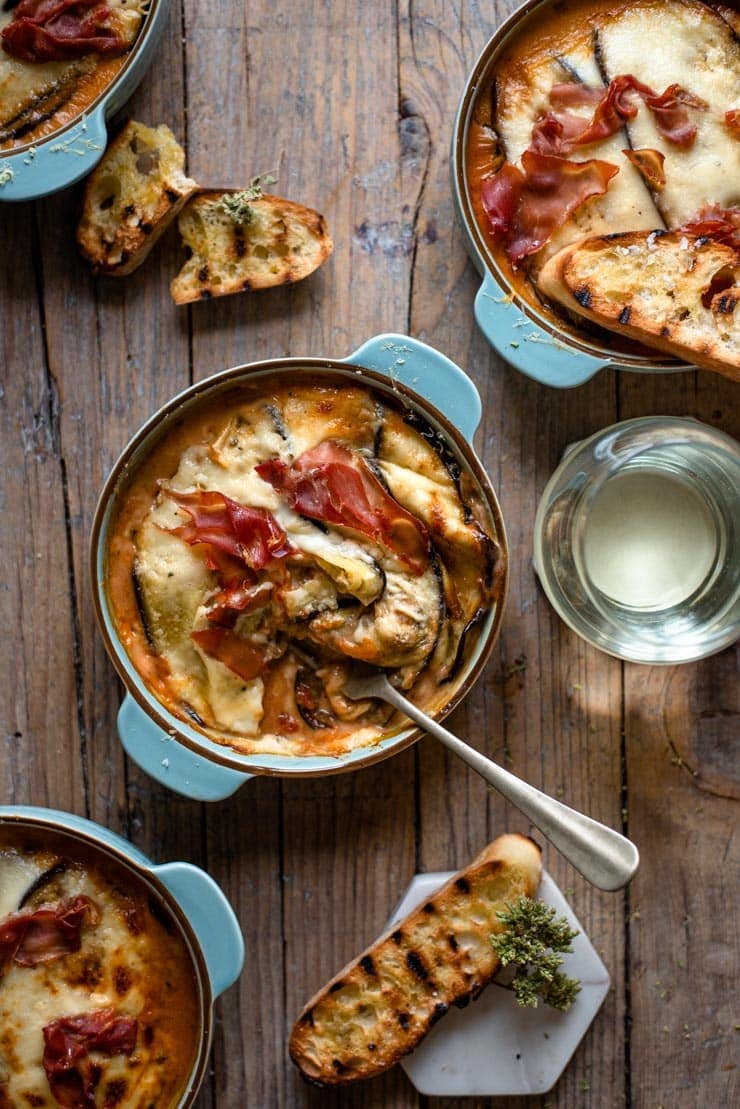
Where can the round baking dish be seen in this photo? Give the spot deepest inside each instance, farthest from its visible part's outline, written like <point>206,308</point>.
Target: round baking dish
<point>182,756</point>
<point>184,897</point>
<point>70,152</point>
<point>536,340</point>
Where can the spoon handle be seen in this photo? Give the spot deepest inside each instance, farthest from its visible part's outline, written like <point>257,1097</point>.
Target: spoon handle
<point>605,857</point>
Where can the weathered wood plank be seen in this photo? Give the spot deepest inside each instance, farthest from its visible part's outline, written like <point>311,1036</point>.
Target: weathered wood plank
<point>681,730</point>
<point>41,758</point>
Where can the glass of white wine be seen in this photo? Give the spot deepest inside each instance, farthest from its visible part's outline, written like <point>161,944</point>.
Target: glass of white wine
<point>637,539</point>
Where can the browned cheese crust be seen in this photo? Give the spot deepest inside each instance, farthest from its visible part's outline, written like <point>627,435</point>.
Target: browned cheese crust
<point>132,961</point>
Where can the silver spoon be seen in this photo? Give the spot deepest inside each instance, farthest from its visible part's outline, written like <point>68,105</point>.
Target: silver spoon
<point>605,857</point>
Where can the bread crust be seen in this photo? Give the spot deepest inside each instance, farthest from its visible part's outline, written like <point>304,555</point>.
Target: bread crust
<point>281,243</point>
<point>379,1007</point>
<point>131,197</point>
<point>677,292</point>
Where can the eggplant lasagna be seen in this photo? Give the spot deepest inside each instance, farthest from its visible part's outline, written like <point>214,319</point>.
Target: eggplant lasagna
<point>56,57</point>
<point>99,1007</point>
<point>282,536</point>
<point>605,116</point>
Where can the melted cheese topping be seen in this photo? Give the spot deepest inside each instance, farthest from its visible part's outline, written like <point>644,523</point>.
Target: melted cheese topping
<point>699,51</point>
<point>660,42</point>
<point>130,960</point>
<point>627,202</point>
<point>36,98</point>
<point>341,597</point>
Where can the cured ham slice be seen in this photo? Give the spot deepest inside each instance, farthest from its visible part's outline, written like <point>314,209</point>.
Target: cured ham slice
<point>222,526</point>
<point>60,30</point>
<point>525,207</point>
<point>564,133</point>
<point>333,484</point>
<point>572,84</point>
<point>528,208</point>
<point>73,1077</point>
<point>42,935</point>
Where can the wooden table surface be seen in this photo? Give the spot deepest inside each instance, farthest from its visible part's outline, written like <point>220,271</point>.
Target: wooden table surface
<point>351,105</point>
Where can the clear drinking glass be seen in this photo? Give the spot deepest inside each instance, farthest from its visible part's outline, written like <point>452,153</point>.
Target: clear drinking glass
<point>637,539</point>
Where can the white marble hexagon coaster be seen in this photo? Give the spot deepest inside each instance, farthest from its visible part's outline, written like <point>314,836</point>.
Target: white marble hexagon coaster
<point>494,1047</point>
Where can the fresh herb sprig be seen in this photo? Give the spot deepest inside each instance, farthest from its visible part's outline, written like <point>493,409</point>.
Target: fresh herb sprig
<point>533,940</point>
<point>238,206</point>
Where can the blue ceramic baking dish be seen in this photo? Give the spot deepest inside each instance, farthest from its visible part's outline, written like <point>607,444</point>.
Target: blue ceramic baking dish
<point>71,152</point>
<point>181,756</point>
<point>203,915</point>
<point>550,349</point>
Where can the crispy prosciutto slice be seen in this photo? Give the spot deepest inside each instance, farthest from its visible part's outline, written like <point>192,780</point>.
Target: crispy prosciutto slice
<point>669,111</point>
<point>233,535</point>
<point>333,484</point>
<point>526,209</point>
<point>238,654</point>
<point>68,1041</point>
<point>732,122</point>
<point>43,935</point>
<point>721,224</point>
<point>236,598</point>
<point>59,30</point>
<point>649,164</point>
<point>561,132</point>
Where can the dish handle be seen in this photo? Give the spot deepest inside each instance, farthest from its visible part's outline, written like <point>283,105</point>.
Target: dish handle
<point>170,762</point>
<point>424,369</point>
<point>212,919</point>
<point>527,346</point>
<point>54,165</point>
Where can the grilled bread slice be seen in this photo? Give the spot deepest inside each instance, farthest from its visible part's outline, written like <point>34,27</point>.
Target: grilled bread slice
<point>378,1008</point>
<point>233,247</point>
<point>670,290</point>
<point>131,197</point>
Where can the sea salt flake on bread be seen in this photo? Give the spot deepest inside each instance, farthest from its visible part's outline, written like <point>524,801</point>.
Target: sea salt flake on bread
<point>275,242</point>
<point>382,1004</point>
<point>674,291</point>
<point>131,197</point>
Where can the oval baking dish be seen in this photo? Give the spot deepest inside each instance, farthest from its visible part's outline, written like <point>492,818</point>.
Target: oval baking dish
<point>546,41</point>
<point>54,159</point>
<point>202,711</point>
<point>120,959</point>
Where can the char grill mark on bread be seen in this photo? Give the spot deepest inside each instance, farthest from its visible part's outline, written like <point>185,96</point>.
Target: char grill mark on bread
<point>671,290</point>
<point>280,243</point>
<point>382,1004</point>
<point>131,197</point>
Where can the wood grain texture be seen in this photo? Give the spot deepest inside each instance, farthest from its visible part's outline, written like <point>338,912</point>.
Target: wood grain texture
<point>351,106</point>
